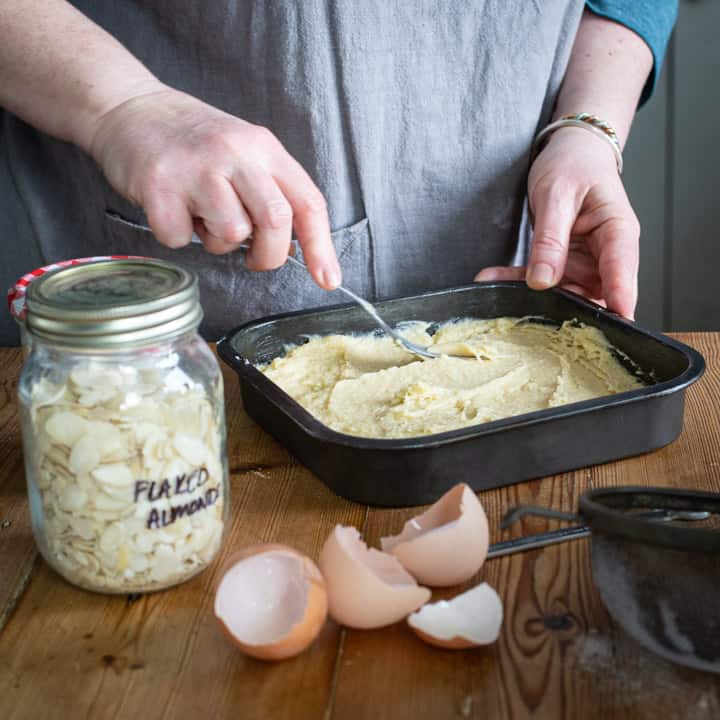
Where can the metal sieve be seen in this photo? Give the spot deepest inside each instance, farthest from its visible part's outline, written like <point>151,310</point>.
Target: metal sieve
<point>656,563</point>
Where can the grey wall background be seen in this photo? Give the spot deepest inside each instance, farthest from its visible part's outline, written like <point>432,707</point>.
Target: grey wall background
<point>673,178</point>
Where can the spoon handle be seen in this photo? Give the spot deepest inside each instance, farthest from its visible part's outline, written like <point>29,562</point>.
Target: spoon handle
<point>366,306</point>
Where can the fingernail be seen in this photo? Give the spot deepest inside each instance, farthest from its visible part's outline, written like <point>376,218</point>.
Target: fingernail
<point>484,275</point>
<point>541,275</point>
<point>331,277</point>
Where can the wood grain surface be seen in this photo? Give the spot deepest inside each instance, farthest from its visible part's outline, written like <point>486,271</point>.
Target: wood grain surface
<point>66,653</point>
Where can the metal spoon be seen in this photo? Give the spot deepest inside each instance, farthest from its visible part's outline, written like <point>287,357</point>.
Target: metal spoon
<point>369,308</point>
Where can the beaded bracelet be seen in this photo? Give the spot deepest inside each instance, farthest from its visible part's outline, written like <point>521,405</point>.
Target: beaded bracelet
<point>594,124</point>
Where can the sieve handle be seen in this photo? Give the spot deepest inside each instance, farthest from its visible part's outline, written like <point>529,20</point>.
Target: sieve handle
<point>532,542</point>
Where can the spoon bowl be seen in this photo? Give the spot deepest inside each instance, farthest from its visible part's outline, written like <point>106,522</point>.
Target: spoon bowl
<point>369,308</point>
<point>413,348</point>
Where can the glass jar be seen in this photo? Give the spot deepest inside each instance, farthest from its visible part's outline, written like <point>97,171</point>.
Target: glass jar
<point>123,426</point>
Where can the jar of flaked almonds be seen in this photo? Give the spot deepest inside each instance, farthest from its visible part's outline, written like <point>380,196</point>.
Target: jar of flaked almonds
<point>123,426</point>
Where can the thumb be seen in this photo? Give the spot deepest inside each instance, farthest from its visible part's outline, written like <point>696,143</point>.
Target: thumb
<point>556,208</point>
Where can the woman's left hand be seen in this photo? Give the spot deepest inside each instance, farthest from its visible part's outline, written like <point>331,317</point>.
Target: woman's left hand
<point>586,235</point>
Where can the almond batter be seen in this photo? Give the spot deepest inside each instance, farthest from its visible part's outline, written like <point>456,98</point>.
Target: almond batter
<point>366,385</point>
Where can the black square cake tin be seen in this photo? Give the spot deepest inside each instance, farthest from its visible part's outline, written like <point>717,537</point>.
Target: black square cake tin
<point>414,471</point>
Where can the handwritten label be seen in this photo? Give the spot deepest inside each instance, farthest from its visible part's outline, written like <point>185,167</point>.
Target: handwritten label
<point>183,484</point>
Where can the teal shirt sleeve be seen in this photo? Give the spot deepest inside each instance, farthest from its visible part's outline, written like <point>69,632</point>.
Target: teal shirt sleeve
<point>652,20</point>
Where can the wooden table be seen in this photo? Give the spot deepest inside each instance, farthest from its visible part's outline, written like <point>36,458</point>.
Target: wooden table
<point>65,653</point>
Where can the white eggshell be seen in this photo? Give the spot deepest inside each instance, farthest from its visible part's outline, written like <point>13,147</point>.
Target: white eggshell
<point>470,619</point>
<point>271,601</point>
<point>447,544</point>
<point>366,588</point>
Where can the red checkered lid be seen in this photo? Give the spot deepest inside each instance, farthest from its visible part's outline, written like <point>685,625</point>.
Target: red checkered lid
<point>16,294</point>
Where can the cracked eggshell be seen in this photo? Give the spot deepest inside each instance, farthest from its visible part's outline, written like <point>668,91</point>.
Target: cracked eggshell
<point>447,544</point>
<point>271,601</point>
<point>366,588</point>
<point>468,620</point>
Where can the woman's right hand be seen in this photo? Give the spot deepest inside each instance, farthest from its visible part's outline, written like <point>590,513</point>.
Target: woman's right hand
<point>192,167</point>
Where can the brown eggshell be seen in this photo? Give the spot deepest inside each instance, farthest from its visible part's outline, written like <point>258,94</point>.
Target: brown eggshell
<point>447,544</point>
<point>366,588</point>
<point>470,619</point>
<point>295,602</point>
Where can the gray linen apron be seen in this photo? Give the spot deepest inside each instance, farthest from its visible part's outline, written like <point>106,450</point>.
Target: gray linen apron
<point>414,117</point>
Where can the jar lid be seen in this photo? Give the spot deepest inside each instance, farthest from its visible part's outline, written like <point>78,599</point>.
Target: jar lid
<point>112,304</point>
<point>16,294</point>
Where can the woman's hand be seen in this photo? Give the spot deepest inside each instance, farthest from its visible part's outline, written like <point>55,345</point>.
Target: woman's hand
<point>586,235</point>
<point>192,167</point>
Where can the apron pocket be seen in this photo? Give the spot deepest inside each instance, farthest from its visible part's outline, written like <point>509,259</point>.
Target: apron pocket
<point>230,294</point>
